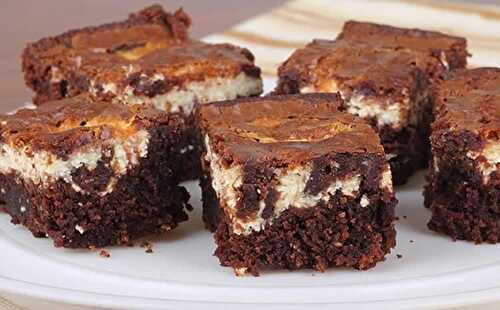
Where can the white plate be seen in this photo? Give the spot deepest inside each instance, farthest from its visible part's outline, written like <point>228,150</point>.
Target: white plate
<point>433,271</point>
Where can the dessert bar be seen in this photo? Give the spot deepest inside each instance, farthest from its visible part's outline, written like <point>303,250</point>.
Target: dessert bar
<point>147,59</point>
<point>291,182</point>
<point>383,74</point>
<point>91,174</point>
<point>463,190</point>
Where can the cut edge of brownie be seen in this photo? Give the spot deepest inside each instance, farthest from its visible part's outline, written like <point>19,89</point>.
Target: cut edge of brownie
<point>330,232</point>
<point>107,191</point>
<point>463,190</point>
<point>463,181</point>
<point>267,232</point>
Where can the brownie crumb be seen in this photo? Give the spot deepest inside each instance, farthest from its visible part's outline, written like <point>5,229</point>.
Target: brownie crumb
<point>148,246</point>
<point>411,241</point>
<point>405,217</point>
<point>240,272</point>
<point>399,256</point>
<point>104,253</point>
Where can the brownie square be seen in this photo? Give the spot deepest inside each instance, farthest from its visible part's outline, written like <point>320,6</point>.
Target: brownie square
<point>463,190</point>
<point>148,58</point>
<point>290,182</point>
<point>450,50</point>
<point>90,174</point>
<point>382,73</point>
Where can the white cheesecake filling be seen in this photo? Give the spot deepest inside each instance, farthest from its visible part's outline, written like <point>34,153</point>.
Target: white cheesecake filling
<point>386,179</point>
<point>435,164</point>
<point>386,113</point>
<point>365,201</point>
<point>43,168</point>
<point>55,75</point>
<point>291,187</point>
<point>183,99</point>
<point>389,156</point>
<point>80,229</point>
<point>225,180</point>
<point>489,159</point>
<point>444,60</point>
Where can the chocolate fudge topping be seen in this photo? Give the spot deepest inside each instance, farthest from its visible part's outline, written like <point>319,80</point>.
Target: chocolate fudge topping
<point>279,127</point>
<point>371,71</point>
<point>451,50</point>
<point>470,100</point>
<point>65,125</point>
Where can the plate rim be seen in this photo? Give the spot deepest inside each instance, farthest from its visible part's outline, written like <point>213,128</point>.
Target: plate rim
<point>118,301</point>
<point>110,300</point>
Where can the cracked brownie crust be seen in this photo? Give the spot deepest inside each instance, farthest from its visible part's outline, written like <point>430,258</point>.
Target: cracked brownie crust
<point>383,74</point>
<point>451,51</point>
<point>291,182</point>
<point>463,189</point>
<point>147,59</point>
<point>91,174</point>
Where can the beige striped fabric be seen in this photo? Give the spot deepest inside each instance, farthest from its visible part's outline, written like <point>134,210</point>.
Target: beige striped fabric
<point>7,305</point>
<point>274,35</point>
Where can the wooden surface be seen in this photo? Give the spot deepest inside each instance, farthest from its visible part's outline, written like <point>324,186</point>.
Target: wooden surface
<point>271,36</point>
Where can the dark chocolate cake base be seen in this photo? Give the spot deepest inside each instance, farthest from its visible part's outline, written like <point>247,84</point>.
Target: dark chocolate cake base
<point>412,148</point>
<point>210,204</point>
<point>113,220</point>
<point>475,224</point>
<point>462,206</point>
<point>186,156</point>
<point>146,200</point>
<point>317,238</point>
<point>340,233</point>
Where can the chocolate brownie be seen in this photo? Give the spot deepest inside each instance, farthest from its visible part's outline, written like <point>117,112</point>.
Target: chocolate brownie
<point>451,51</point>
<point>291,182</point>
<point>90,174</point>
<point>147,59</point>
<point>383,74</point>
<point>463,190</point>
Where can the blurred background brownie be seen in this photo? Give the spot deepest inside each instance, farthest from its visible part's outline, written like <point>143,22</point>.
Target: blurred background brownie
<point>450,50</point>
<point>290,182</point>
<point>383,74</point>
<point>463,190</point>
<point>91,174</point>
<point>147,59</point>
